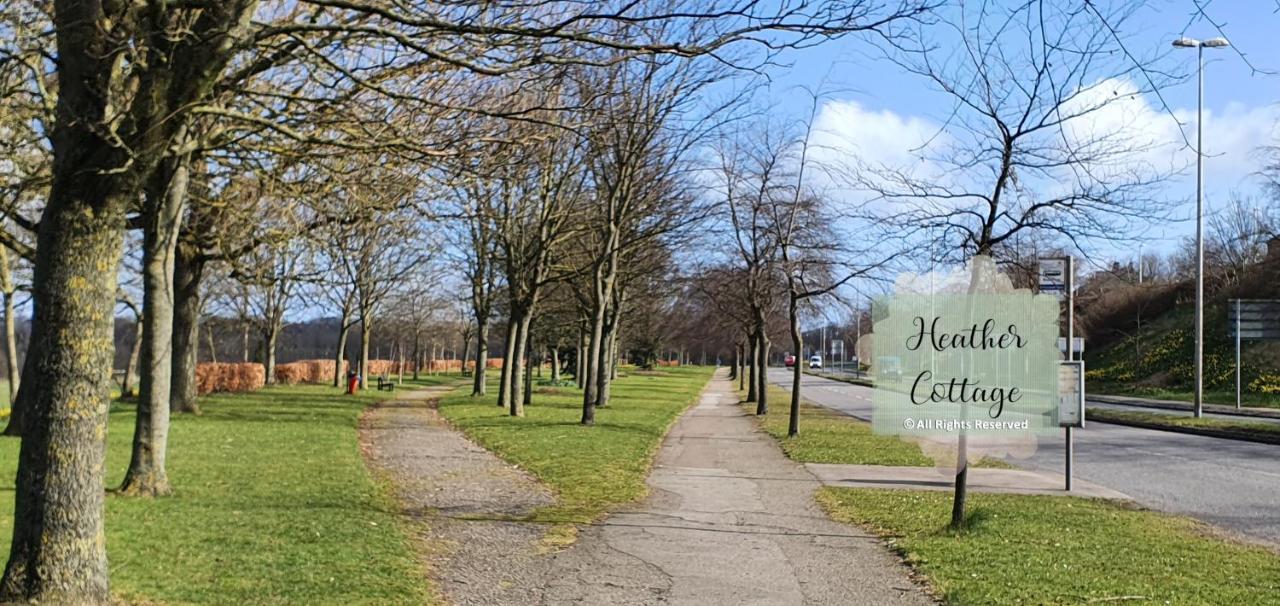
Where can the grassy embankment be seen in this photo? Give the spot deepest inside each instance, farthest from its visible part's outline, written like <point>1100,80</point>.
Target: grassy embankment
<point>272,504</point>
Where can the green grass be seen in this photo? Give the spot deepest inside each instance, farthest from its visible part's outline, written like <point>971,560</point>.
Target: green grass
<point>1221,397</point>
<point>591,469</point>
<point>1020,549</point>
<point>272,504</point>
<point>1266,431</point>
<point>827,436</point>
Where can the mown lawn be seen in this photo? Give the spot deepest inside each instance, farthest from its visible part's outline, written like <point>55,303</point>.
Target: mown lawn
<point>827,436</point>
<point>591,469</point>
<point>1020,549</point>
<point>272,504</point>
<point>1241,427</point>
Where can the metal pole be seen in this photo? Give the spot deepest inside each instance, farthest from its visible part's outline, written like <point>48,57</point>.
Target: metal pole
<point>1199,395</point>
<point>1237,354</point>
<point>1069,285</point>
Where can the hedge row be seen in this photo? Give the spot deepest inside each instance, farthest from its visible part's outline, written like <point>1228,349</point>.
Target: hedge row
<point>231,378</point>
<point>307,371</point>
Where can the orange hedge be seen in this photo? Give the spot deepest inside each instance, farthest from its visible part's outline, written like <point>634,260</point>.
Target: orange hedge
<point>307,371</point>
<point>230,378</point>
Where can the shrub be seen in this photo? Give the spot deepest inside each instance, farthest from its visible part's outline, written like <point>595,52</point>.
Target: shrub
<point>232,378</point>
<point>316,372</point>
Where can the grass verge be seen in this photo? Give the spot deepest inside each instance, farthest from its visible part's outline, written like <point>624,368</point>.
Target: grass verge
<point>1021,549</point>
<point>1216,397</point>
<point>828,436</point>
<point>1252,431</point>
<point>272,504</point>
<point>591,469</point>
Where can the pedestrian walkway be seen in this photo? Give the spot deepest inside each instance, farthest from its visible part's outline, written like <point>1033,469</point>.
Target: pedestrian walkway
<point>729,521</point>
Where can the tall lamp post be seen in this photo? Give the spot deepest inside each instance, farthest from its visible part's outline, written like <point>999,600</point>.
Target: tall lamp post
<point>1200,46</point>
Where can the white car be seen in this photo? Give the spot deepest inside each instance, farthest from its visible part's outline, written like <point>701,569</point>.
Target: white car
<point>815,362</point>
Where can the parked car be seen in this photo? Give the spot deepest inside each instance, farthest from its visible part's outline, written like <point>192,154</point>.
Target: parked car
<point>815,362</point>
<point>790,360</point>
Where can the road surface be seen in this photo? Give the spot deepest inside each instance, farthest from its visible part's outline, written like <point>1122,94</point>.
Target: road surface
<point>1229,483</point>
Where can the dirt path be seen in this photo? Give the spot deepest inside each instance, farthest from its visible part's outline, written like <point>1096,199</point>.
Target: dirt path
<point>729,521</point>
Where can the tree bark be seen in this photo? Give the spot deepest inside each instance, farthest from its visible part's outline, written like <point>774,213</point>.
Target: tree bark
<point>188,271</point>
<point>797,345</point>
<point>165,199</point>
<point>135,352</point>
<point>478,385</point>
<point>762,376</point>
<point>340,353</point>
<point>754,355</point>
<point>555,365</point>
<point>16,412</point>
<point>10,327</point>
<point>58,553</point>
<point>366,331</point>
<point>269,346</point>
<point>516,402</point>
<point>508,363</point>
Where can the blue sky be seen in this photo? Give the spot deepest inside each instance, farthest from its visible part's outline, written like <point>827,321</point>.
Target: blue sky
<point>1241,106</point>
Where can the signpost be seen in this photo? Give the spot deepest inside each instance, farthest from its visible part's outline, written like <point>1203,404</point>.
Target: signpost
<point>1253,320</point>
<point>1056,275</point>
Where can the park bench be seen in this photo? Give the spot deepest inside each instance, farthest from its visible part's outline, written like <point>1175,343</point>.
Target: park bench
<point>385,384</point>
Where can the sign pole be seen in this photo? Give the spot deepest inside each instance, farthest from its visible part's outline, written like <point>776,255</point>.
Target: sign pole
<point>1237,354</point>
<point>1069,287</point>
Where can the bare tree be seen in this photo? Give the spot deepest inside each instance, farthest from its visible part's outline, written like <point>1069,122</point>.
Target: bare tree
<point>1026,148</point>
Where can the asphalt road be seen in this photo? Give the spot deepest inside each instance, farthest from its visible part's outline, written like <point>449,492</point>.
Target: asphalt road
<point>1229,483</point>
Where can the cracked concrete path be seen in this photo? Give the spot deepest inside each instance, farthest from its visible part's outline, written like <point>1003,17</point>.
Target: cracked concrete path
<point>729,521</point>
<point>460,497</point>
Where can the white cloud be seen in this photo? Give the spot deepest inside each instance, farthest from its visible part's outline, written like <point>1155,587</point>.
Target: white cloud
<point>849,133</point>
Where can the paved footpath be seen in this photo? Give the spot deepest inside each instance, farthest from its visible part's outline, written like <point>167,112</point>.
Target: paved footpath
<point>729,520</point>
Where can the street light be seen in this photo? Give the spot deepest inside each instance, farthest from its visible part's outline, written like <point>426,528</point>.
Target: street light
<point>1200,46</point>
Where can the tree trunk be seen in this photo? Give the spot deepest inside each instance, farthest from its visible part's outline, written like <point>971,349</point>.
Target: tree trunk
<point>135,352</point>
<point>340,354</point>
<point>417,353</point>
<point>165,198</point>
<point>754,355</point>
<point>762,376</point>
<point>606,368</point>
<point>244,342</point>
<point>269,346</point>
<point>797,345</point>
<point>478,385</point>
<point>213,346</point>
<point>10,327</point>
<point>366,331</point>
<point>590,368</point>
<point>516,403</point>
<point>555,365</point>
<point>505,379</point>
<point>58,553</point>
<point>579,358</point>
<point>188,271</point>
<point>16,412</point>
<point>466,356</point>
<point>530,360</point>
